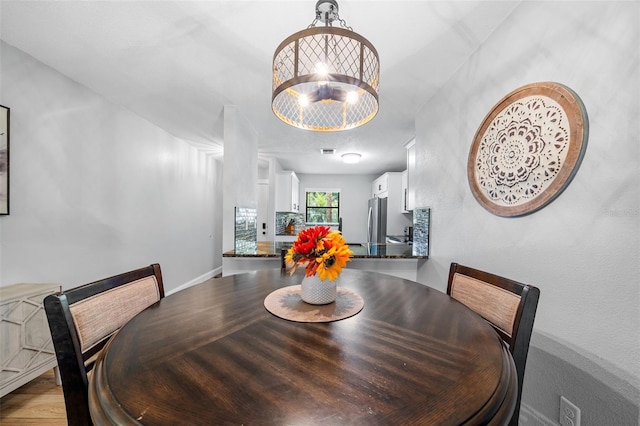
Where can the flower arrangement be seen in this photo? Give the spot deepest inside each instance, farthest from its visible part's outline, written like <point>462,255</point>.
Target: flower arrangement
<point>322,250</point>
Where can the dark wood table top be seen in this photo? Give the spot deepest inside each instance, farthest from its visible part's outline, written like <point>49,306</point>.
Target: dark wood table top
<point>212,354</point>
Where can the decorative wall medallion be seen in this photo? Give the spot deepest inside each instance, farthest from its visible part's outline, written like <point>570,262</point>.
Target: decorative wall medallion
<point>527,149</point>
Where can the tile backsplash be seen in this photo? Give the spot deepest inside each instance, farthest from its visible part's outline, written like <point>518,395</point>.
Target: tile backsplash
<point>283,219</point>
<point>246,230</point>
<point>421,231</point>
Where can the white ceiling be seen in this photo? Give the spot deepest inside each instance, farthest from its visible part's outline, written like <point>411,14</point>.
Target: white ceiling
<point>177,63</point>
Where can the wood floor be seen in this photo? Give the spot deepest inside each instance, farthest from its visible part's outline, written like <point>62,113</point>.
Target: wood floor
<point>39,402</point>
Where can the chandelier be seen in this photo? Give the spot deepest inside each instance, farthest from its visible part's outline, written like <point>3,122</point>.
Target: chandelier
<point>325,78</point>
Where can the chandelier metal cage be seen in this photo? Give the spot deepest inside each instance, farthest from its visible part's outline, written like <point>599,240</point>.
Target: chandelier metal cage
<point>325,78</point>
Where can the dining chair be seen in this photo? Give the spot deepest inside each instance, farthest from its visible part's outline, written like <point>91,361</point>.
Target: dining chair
<point>82,320</point>
<point>509,306</point>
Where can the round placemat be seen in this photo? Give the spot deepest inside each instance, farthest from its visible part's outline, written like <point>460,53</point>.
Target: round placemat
<point>286,303</point>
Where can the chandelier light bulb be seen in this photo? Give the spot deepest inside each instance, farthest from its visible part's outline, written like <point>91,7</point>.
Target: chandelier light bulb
<point>303,100</point>
<point>352,97</point>
<point>322,70</point>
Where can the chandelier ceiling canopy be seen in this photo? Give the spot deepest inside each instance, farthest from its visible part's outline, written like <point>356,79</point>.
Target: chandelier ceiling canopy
<point>325,78</point>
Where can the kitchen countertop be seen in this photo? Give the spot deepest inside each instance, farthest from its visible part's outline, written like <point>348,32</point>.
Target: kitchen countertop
<point>265,249</point>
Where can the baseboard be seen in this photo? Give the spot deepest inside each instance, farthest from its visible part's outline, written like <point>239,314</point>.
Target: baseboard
<point>197,280</point>
<point>531,417</point>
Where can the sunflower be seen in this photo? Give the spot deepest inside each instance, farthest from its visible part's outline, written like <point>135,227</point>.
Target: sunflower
<point>330,264</point>
<point>321,250</point>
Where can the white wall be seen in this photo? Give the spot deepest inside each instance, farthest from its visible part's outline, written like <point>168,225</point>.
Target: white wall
<point>96,190</point>
<point>355,191</point>
<point>583,249</point>
<point>240,170</point>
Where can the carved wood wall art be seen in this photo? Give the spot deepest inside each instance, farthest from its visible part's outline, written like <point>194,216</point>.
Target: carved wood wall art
<point>527,149</point>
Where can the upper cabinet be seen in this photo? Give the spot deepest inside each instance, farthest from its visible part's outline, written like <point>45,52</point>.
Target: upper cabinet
<point>410,189</point>
<point>389,186</point>
<point>379,187</point>
<point>405,192</point>
<point>287,192</point>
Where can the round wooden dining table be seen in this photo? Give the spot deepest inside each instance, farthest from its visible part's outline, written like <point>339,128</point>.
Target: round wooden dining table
<point>212,354</point>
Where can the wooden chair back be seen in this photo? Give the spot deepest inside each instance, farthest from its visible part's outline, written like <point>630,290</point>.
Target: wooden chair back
<point>509,306</point>
<point>83,319</point>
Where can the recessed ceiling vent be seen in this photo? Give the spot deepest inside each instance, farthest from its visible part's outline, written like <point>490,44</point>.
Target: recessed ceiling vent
<point>328,151</point>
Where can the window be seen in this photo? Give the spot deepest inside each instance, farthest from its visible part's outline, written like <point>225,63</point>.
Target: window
<point>323,206</point>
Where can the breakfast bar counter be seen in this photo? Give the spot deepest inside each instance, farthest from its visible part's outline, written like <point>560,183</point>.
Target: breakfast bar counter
<point>360,250</point>
<point>397,259</point>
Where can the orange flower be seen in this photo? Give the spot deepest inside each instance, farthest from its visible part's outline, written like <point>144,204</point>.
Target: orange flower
<point>321,250</point>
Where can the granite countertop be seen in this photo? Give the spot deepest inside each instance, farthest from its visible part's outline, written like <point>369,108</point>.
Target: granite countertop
<point>360,250</point>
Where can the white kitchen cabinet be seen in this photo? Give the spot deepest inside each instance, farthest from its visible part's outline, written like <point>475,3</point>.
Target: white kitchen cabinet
<point>380,186</point>
<point>287,192</point>
<point>389,186</point>
<point>411,175</point>
<point>405,191</point>
<point>295,193</point>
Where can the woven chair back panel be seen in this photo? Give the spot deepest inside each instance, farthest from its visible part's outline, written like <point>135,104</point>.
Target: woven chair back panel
<point>103,314</point>
<point>495,304</point>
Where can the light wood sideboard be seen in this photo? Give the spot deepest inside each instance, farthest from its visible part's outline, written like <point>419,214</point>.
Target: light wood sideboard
<point>26,350</point>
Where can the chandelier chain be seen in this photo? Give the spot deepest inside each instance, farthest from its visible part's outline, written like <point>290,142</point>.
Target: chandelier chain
<point>343,23</point>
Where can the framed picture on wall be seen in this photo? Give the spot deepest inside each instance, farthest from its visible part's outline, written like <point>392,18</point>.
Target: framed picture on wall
<point>4,160</point>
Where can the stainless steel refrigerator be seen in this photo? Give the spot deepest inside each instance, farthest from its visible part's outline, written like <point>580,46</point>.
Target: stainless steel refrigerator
<point>377,221</point>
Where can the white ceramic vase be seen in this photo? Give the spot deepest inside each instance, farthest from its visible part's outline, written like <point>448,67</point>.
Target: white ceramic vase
<point>318,292</point>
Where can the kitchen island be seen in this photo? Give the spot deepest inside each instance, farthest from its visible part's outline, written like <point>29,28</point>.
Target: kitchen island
<point>397,259</point>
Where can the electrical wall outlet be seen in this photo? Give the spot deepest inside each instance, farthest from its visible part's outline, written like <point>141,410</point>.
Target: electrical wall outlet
<point>569,413</point>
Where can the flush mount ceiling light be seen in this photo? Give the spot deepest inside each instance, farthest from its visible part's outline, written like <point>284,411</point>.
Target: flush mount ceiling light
<point>351,157</point>
<point>325,78</point>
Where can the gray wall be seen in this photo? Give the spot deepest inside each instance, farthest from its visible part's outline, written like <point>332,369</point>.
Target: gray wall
<point>581,250</point>
<point>96,190</point>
